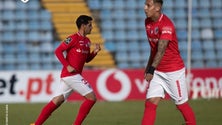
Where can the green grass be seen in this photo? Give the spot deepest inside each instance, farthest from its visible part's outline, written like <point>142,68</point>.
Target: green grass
<point>208,112</point>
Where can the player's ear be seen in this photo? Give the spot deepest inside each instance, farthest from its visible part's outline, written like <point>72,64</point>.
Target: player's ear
<point>158,7</point>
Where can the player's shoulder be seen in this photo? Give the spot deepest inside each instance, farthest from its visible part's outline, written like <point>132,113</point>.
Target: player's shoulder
<point>70,38</point>
<point>166,22</point>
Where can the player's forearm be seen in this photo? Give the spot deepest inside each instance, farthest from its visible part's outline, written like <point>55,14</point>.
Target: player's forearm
<point>162,45</point>
<point>149,62</point>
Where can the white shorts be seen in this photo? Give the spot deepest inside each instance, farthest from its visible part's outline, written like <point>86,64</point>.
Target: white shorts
<point>173,83</point>
<point>75,83</point>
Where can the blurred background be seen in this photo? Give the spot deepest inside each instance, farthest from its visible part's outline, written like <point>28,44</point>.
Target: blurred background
<point>29,32</point>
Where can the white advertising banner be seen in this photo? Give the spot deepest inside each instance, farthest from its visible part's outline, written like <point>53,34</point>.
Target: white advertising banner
<point>28,86</point>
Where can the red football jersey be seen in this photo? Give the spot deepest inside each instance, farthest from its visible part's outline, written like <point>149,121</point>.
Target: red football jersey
<point>163,28</point>
<point>77,48</point>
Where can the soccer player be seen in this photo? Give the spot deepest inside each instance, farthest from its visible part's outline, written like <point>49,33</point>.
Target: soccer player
<point>165,70</point>
<point>77,48</point>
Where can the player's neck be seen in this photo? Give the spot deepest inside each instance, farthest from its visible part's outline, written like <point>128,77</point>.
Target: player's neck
<point>156,17</point>
<point>81,33</point>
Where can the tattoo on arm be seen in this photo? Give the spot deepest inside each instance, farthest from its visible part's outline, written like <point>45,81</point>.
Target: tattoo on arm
<point>162,45</point>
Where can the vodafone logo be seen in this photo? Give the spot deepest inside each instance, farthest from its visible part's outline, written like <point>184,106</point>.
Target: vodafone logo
<point>118,75</point>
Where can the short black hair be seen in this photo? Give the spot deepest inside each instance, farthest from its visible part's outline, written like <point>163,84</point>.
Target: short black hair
<point>158,1</point>
<point>83,19</point>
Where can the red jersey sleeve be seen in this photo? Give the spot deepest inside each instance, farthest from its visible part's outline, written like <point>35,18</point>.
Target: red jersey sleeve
<point>91,56</point>
<point>64,46</point>
<point>167,32</point>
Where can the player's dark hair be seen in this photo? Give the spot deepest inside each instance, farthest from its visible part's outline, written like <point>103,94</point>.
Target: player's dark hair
<point>158,1</point>
<point>83,19</point>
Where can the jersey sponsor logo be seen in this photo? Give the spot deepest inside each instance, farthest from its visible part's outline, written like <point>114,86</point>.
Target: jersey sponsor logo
<point>153,39</point>
<point>68,40</point>
<point>82,51</point>
<point>167,30</point>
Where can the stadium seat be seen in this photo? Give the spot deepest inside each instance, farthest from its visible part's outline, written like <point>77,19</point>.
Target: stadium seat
<point>34,66</point>
<point>34,25</point>
<point>108,35</point>
<point>203,13</point>
<point>209,55</point>
<point>34,57</point>
<point>107,24</point>
<point>218,45</point>
<point>182,34</point>
<point>132,35</point>
<point>144,46</point>
<point>197,64</point>
<point>8,15</point>
<point>22,66</point>
<point>216,12</point>
<point>123,65</point>
<point>119,4</point>
<point>207,33</point>
<point>168,12</point>
<point>196,45</point>
<point>23,26</point>
<point>204,4</point>
<point>195,34</point>
<point>132,24</point>
<point>134,56</point>
<point>168,4</point>
<point>33,5</point>
<point>208,45</point>
<point>181,23</point>
<point>121,46</point>
<point>197,55</point>
<point>107,4</point>
<point>120,35</point>
<point>217,23</point>
<point>109,45</point>
<point>45,15</point>
<point>130,4</point>
<point>195,23</point>
<point>211,63</point>
<point>136,65</point>
<point>120,24</point>
<point>121,57</point>
<point>105,14</point>
<point>183,45</point>
<point>217,33</point>
<point>46,47</point>
<point>180,3</point>
<point>94,4</point>
<point>21,36</point>
<point>206,22</point>
<point>47,66</point>
<point>22,58</point>
<point>216,3</point>
<point>133,46</point>
<point>33,15</point>
<point>21,46</point>
<point>21,15</point>
<point>180,13</point>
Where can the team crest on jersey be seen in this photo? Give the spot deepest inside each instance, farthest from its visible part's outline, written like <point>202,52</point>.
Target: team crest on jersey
<point>156,30</point>
<point>68,40</point>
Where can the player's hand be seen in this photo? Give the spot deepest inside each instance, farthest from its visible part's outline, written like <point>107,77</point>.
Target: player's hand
<point>148,77</point>
<point>97,48</point>
<point>71,69</point>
